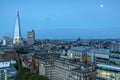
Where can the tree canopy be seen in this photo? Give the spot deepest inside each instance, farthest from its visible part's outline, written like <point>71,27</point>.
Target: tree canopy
<point>26,74</point>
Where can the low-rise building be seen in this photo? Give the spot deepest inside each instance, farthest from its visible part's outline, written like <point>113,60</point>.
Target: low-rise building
<point>7,70</point>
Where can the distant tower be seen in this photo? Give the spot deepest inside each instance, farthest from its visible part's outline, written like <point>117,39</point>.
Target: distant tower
<point>31,37</point>
<point>17,34</point>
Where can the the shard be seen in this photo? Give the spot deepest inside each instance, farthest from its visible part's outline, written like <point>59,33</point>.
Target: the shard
<point>17,32</point>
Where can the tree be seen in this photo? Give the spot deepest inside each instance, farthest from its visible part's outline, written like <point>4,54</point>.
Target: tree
<point>25,74</point>
<point>16,65</point>
<point>44,78</point>
<point>32,77</point>
<point>20,72</point>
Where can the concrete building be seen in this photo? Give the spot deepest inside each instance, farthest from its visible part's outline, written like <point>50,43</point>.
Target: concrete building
<point>46,68</point>
<point>115,47</point>
<point>7,71</point>
<point>72,70</point>
<point>31,37</point>
<point>108,72</point>
<point>107,65</point>
<point>76,52</point>
<point>107,61</point>
<point>80,53</point>
<point>65,69</point>
<point>99,56</point>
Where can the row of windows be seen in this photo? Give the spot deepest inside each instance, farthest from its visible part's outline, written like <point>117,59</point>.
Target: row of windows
<point>108,70</point>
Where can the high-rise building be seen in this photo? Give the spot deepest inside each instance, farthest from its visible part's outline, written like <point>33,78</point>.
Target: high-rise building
<point>31,37</point>
<point>17,34</point>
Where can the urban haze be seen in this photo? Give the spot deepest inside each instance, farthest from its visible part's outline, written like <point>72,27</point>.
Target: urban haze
<point>60,40</point>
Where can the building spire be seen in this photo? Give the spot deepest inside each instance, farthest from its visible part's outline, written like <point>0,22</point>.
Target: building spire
<point>17,32</point>
<point>17,13</point>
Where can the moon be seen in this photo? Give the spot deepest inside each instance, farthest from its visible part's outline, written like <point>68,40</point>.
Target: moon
<point>101,6</point>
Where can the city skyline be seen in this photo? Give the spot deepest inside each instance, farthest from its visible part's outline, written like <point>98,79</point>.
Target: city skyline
<point>95,19</point>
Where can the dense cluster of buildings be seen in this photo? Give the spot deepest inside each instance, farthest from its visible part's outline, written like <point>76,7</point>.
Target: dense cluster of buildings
<point>60,59</point>
<point>74,62</point>
<point>8,58</point>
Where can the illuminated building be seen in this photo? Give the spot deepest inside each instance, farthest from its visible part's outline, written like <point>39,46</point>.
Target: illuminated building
<point>107,64</point>
<point>80,53</point>
<point>108,72</point>
<point>17,34</point>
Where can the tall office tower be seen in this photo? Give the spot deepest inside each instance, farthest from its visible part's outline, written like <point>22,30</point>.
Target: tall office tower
<point>31,37</point>
<point>17,34</point>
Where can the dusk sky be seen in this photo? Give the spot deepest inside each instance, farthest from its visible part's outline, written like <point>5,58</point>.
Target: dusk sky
<point>62,19</point>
